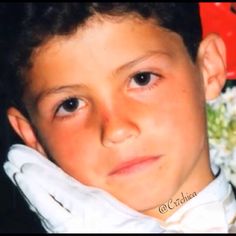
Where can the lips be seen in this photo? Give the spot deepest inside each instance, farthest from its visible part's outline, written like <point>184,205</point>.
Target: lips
<point>133,165</point>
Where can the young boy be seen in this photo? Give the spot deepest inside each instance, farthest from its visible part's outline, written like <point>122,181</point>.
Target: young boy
<point>114,94</point>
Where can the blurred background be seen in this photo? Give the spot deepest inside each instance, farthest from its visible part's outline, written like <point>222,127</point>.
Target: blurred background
<point>15,216</point>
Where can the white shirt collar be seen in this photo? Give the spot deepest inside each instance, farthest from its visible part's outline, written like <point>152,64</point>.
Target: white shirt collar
<point>212,210</point>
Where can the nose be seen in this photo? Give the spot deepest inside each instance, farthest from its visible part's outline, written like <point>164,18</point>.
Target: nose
<point>118,130</point>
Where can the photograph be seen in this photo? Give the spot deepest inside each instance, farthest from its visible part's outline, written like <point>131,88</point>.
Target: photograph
<point>118,117</point>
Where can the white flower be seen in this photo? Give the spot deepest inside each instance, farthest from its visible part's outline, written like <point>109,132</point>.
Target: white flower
<point>222,132</point>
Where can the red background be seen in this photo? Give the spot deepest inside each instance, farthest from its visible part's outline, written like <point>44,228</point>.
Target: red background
<point>219,17</point>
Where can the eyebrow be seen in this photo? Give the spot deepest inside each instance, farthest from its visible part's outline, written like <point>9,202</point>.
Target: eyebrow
<point>127,65</point>
<point>56,90</point>
<point>141,58</point>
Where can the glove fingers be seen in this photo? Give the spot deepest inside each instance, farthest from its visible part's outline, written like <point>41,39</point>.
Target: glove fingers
<point>56,176</point>
<point>59,187</point>
<point>48,209</point>
<point>50,179</point>
<point>20,154</point>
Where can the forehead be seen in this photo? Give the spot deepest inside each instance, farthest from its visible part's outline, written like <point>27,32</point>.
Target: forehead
<point>105,44</point>
<point>111,33</point>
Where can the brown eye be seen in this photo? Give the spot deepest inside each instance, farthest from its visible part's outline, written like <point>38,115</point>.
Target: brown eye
<point>69,106</point>
<point>142,79</point>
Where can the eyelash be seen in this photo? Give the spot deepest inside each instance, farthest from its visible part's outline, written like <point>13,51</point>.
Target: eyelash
<point>62,103</point>
<point>146,86</point>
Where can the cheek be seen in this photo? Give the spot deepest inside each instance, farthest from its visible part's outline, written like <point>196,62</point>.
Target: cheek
<point>175,127</point>
<point>176,118</point>
<point>71,150</point>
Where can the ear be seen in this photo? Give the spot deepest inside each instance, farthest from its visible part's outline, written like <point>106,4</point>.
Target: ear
<point>23,127</point>
<point>212,63</point>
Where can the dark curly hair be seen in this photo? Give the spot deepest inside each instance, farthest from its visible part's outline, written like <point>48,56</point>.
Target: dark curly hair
<point>25,26</point>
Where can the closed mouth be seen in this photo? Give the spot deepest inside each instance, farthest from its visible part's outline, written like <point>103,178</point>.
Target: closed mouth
<point>134,165</point>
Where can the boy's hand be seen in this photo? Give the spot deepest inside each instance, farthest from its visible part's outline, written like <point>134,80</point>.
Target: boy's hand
<point>63,204</point>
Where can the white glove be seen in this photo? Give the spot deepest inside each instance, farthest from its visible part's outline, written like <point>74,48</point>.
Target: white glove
<point>64,205</point>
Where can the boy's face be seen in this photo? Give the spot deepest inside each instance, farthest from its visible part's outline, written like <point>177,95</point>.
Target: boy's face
<point>120,105</point>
